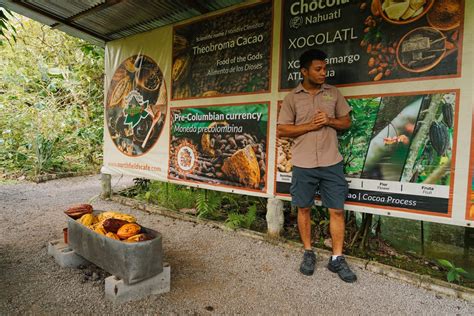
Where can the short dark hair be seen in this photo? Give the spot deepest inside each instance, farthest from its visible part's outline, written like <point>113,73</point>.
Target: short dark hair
<point>308,56</point>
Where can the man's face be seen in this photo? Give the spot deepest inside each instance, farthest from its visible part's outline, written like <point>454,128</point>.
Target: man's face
<point>316,74</point>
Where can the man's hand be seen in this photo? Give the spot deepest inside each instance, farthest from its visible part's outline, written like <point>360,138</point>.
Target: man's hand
<point>321,119</point>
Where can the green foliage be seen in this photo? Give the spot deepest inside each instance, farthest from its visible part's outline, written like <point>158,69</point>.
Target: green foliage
<point>168,195</point>
<point>454,273</point>
<point>208,203</point>
<point>353,142</point>
<point>51,102</point>
<point>235,220</point>
<point>7,29</point>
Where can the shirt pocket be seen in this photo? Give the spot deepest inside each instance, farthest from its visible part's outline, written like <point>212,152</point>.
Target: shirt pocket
<point>304,113</point>
<point>329,107</point>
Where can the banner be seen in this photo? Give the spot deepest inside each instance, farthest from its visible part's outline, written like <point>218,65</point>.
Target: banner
<point>193,103</point>
<point>470,187</point>
<point>398,154</point>
<point>373,41</point>
<point>227,54</point>
<point>223,145</point>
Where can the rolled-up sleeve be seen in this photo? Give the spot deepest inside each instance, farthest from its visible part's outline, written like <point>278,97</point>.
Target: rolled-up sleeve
<point>287,112</point>
<point>342,107</point>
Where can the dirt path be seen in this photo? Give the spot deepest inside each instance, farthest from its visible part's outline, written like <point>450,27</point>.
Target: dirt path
<point>211,270</point>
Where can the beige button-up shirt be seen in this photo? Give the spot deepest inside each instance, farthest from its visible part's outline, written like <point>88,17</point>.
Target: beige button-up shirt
<point>317,148</point>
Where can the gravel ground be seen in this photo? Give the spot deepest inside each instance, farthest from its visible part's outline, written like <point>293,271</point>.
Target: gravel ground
<point>212,271</point>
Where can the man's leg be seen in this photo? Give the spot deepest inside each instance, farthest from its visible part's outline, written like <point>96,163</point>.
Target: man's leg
<point>304,226</point>
<point>337,263</point>
<point>302,190</point>
<point>337,228</point>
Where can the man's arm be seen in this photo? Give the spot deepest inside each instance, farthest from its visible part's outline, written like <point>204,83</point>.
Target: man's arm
<point>340,123</point>
<point>290,130</point>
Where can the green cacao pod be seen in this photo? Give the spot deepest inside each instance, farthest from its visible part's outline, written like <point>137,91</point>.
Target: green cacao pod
<point>439,137</point>
<point>448,115</point>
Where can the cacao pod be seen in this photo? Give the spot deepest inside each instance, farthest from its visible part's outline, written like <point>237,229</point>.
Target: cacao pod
<point>113,224</point>
<point>112,235</point>
<point>87,220</point>
<point>77,211</point>
<point>128,230</point>
<point>448,115</point>
<point>439,137</point>
<point>100,230</point>
<point>138,237</point>
<point>110,214</point>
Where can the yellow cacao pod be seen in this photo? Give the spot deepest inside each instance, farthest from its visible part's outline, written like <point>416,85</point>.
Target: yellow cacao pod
<point>100,230</point>
<point>87,220</point>
<point>112,235</point>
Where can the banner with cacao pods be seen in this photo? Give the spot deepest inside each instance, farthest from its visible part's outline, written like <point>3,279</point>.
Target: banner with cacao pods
<point>192,103</point>
<point>373,41</point>
<point>136,107</point>
<point>227,54</point>
<point>397,154</point>
<point>222,145</point>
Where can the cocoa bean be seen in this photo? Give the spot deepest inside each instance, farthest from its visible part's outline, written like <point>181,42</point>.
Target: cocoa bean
<point>371,62</point>
<point>378,77</point>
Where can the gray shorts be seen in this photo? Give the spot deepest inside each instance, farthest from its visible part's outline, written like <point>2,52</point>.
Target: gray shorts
<point>330,181</point>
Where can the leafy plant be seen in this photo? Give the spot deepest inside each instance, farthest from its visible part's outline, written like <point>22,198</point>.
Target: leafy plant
<point>208,203</point>
<point>7,29</point>
<point>51,101</point>
<point>454,273</point>
<point>235,220</point>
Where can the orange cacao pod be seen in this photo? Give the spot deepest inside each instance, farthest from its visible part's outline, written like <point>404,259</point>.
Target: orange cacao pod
<point>128,230</point>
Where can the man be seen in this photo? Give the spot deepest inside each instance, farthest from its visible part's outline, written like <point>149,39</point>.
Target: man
<point>311,114</point>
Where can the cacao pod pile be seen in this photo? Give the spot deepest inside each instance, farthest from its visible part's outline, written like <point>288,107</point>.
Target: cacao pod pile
<point>111,224</point>
<point>448,114</point>
<point>77,211</point>
<point>439,137</point>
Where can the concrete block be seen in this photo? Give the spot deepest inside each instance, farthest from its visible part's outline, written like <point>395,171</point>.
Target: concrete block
<point>275,217</point>
<point>65,256</point>
<point>117,291</point>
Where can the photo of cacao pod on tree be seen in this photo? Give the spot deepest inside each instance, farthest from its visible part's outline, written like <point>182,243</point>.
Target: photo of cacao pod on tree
<point>221,145</point>
<point>411,139</point>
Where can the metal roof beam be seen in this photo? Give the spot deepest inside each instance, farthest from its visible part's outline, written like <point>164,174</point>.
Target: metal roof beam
<point>60,20</point>
<point>100,7</point>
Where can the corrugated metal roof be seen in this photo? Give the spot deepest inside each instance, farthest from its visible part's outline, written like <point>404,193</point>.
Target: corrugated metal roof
<point>106,20</point>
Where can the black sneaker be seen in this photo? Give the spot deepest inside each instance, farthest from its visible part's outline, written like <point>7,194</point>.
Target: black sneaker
<point>340,267</point>
<point>309,261</point>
